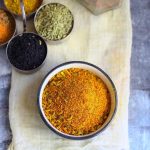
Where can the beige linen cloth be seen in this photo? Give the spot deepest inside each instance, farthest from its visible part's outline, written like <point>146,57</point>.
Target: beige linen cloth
<point>103,40</point>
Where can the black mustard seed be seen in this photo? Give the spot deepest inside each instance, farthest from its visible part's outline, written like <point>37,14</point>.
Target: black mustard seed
<point>27,51</point>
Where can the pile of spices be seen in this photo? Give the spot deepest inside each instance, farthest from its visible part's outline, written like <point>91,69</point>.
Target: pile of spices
<point>27,51</point>
<point>76,101</point>
<point>30,6</point>
<point>7,26</point>
<point>54,21</point>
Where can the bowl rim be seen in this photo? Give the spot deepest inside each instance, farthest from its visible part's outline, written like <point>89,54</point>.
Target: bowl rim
<point>71,29</point>
<point>14,32</point>
<point>72,137</point>
<point>30,70</point>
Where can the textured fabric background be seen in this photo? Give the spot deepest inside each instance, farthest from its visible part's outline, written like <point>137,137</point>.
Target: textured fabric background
<point>105,41</point>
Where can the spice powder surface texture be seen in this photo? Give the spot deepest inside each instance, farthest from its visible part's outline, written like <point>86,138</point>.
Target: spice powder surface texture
<point>30,6</point>
<point>76,101</point>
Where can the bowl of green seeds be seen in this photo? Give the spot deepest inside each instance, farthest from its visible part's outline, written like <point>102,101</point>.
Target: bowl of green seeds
<point>54,22</point>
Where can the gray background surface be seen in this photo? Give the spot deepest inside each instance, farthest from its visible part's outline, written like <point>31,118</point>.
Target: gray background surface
<point>139,104</point>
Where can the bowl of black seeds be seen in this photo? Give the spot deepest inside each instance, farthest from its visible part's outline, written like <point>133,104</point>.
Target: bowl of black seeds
<point>27,52</point>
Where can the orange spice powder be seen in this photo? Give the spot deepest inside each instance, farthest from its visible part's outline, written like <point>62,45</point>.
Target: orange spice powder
<point>30,6</point>
<point>6,26</point>
<point>76,101</point>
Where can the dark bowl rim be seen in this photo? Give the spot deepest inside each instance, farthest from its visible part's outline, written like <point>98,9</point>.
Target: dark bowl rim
<point>30,70</point>
<point>72,137</point>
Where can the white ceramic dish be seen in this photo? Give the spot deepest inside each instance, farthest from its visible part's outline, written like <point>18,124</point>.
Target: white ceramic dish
<point>20,15</point>
<point>99,72</point>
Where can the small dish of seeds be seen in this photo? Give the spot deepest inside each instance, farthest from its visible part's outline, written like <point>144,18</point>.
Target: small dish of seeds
<point>27,52</point>
<point>53,21</point>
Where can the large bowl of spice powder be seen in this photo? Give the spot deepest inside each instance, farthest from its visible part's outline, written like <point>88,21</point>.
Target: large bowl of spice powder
<point>77,100</point>
<point>7,26</point>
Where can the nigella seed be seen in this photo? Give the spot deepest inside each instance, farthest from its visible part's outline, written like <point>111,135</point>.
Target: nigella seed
<point>25,52</point>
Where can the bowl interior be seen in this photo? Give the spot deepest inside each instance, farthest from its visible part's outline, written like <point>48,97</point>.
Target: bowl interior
<point>97,72</point>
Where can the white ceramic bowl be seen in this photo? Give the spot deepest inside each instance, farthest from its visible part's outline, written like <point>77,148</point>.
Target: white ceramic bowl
<point>94,69</point>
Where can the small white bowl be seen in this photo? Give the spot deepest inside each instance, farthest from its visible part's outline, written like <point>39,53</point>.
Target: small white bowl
<point>94,69</point>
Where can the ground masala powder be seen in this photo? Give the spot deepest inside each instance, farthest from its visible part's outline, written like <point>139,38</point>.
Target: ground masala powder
<point>76,101</point>
<point>7,26</point>
<point>30,6</point>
